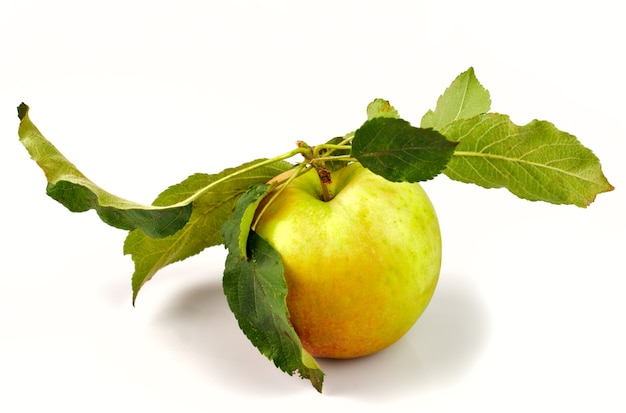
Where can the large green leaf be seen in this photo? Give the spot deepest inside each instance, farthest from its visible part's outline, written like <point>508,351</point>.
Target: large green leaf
<point>536,161</point>
<point>75,191</point>
<point>256,291</point>
<point>463,99</point>
<point>210,211</point>
<point>397,151</point>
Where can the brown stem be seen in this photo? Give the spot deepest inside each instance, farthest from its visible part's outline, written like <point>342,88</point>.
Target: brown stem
<point>325,179</point>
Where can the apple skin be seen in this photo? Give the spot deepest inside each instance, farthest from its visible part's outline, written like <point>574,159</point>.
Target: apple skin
<point>360,268</point>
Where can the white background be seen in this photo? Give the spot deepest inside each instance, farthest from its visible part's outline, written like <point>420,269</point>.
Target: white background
<point>529,311</point>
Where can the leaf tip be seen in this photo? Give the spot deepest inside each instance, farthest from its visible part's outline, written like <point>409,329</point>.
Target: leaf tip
<point>317,381</point>
<point>607,188</point>
<point>22,111</point>
<point>135,293</point>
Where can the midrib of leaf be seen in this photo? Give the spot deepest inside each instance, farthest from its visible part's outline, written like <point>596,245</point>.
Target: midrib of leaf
<point>462,103</point>
<point>520,161</point>
<point>236,175</point>
<point>207,188</point>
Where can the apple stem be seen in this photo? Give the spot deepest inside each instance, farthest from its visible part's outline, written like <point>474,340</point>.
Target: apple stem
<point>325,179</point>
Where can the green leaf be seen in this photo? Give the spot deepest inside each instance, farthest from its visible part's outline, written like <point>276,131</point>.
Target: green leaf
<point>76,192</point>
<point>237,229</point>
<point>463,99</point>
<point>256,291</point>
<point>398,151</point>
<point>536,161</point>
<point>381,108</point>
<point>210,211</point>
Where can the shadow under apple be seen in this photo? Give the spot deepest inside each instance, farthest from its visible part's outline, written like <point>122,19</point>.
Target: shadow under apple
<point>446,340</point>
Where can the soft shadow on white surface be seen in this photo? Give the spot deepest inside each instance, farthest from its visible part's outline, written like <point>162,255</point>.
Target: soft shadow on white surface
<point>444,342</point>
<point>454,329</point>
<point>198,325</point>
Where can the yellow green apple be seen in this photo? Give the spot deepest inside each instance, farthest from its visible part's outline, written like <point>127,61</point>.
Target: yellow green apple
<point>360,267</point>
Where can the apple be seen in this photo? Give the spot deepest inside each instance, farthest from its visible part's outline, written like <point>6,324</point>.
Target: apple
<point>360,268</point>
